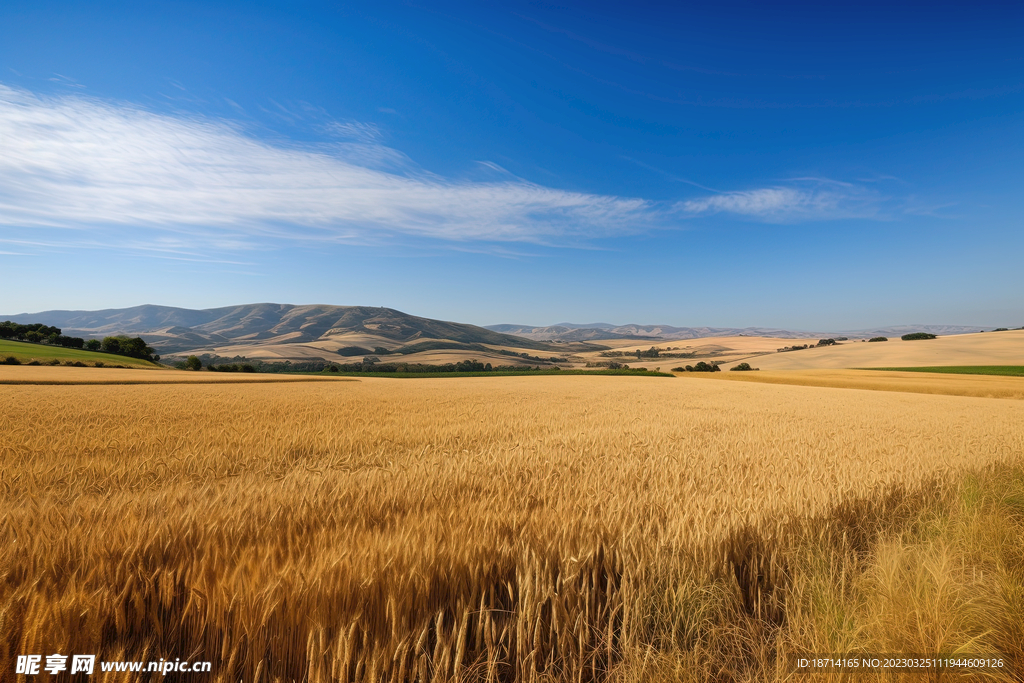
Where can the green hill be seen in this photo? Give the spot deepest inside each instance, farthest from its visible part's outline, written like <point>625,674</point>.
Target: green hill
<point>27,352</point>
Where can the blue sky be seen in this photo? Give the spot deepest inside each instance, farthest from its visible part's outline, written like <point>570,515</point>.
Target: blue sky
<point>795,165</point>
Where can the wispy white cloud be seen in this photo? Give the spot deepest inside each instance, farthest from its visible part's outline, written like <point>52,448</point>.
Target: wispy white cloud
<point>198,187</point>
<point>80,163</point>
<point>821,200</point>
<point>353,130</point>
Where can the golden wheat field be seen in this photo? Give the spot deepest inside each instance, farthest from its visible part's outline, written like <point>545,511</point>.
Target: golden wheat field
<point>990,348</point>
<point>491,529</point>
<point>981,386</point>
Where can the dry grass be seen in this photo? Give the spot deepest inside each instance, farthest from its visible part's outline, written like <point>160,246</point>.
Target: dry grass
<point>540,528</point>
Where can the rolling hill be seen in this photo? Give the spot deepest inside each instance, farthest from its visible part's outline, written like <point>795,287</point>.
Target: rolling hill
<point>180,330</point>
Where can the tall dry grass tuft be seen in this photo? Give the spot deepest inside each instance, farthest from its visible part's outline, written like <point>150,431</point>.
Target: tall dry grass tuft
<point>527,529</point>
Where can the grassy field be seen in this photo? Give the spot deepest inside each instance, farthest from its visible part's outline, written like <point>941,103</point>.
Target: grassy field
<point>1007,370</point>
<point>27,352</point>
<point>522,528</point>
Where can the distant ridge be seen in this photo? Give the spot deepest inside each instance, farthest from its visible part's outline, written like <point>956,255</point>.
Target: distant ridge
<point>172,330</point>
<point>595,332</point>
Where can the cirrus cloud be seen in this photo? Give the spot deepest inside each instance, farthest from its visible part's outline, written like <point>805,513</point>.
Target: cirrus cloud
<point>809,199</point>
<point>156,182</point>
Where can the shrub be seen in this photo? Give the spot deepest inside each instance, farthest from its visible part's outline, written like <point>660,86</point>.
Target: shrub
<point>678,369</point>
<point>742,367</point>
<point>878,339</point>
<point>826,342</point>
<point>704,367</point>
<point>193,363</point>
<point>352,351</point>
<point>98,364</point>
<point>34,362</point>
<point>913,336</point>
<point>53,361</point>
<point>79,364</point>
<point>11,360</point>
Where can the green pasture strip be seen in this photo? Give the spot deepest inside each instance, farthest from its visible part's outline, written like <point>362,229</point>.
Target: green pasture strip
<point>1005,370</point>
<point>493,373</point>
<point>27,351</point>
<point>121,382</point>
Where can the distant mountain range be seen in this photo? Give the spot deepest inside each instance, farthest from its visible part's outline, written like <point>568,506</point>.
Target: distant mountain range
<point>175,330</point>
<point>595,332</point>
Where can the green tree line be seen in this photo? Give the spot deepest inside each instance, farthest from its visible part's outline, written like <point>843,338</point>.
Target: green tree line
<point>120,345</point>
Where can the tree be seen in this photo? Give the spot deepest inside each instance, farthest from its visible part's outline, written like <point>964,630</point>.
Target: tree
<point>92,345</point>
<point>193,363</point>
<point>126,346</point>
<point>913,336</point>
<point>878,339</point>
<point>742,366</point>
<point>111,345</point>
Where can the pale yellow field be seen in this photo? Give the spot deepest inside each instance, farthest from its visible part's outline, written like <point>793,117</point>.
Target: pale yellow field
<point>989,348</point>
<point>983,386</point>
<point>723,349</point>
<point>533,528</point>
<point>454,356</point>
<point>734,344</point>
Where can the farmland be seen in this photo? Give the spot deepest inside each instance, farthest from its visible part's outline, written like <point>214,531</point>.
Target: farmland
<point>516,528</point>
<point>1005,370</point>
